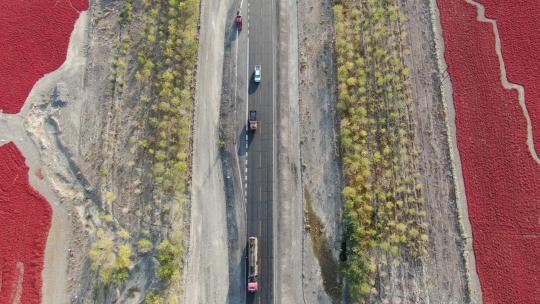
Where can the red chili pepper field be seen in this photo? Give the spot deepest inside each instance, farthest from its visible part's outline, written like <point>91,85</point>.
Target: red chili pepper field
<point>25,217</point>
<point>502,179</point>
<point>517,22</point>
<point>34,36</point>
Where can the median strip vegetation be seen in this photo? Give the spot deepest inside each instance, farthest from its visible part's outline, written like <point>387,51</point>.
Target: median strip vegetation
<point>384,206</point>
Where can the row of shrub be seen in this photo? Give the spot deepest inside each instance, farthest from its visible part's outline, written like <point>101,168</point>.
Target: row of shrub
<point>384,206</point>
<point>156,52</point>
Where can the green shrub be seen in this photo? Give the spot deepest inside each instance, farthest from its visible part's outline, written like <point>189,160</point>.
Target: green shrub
<point>169,256</point>
<point>144,246</point>
<point>153,298</point>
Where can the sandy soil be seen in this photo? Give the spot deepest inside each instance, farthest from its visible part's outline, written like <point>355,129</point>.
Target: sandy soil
<point>55,286</point>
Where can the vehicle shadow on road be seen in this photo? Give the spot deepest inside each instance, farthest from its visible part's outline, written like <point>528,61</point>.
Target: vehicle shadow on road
<point>235,215</point>
<point>252,84</point>
<point>243,146</point>
<point>231,35</point>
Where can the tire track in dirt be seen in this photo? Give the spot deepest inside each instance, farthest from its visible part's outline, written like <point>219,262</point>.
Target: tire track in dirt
<point>504,80</point>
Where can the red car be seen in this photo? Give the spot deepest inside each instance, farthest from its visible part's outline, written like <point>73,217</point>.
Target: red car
<point>238,22</point>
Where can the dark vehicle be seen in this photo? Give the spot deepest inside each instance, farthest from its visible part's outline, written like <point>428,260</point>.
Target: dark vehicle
<point>253,120</point>
<point>253,265</point>
<point>238,21</point>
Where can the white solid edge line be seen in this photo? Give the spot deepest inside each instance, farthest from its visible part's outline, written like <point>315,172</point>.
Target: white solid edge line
<point>246,129</point>
<point>274,164</point>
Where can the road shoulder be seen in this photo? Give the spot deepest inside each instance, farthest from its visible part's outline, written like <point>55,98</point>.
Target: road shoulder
<point>206,272</point>
<point>288,199</point>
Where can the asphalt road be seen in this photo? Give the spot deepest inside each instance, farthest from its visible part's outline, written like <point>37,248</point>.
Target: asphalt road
<point>261,20</point>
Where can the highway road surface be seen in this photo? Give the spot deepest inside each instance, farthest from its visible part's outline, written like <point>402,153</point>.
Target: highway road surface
<point>261,98</point>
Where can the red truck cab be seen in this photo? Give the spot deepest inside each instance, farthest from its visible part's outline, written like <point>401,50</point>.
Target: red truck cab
<point>252,120</point>
<point>253,286</point>
<point>238,21</point>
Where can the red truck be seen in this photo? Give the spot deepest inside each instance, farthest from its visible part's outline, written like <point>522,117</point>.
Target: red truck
<point>253,265</point>
<point>252,120</point>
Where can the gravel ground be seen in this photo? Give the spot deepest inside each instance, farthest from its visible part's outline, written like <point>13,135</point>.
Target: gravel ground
<point>288,222</point>
<point>207,273</point>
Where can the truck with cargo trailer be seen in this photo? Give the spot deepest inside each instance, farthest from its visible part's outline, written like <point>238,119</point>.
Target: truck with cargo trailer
<point>253,265</point>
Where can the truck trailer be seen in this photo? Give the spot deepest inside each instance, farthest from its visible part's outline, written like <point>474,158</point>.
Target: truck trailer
<point>253,265</point>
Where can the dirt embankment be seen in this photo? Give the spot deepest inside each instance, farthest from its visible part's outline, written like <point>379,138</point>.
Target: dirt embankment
<point>321,171</point>
<point>475,293</point>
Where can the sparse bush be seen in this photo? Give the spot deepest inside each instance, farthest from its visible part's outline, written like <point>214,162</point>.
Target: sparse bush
<point>144,246</point>
<point>106,217</point>
<point>124,234</point>
<point>102,255</point>
<point>169,256</point>
<point>110,197</point>
<point>153,298</point>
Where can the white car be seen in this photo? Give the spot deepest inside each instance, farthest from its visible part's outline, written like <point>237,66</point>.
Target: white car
<point>257,75</point>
